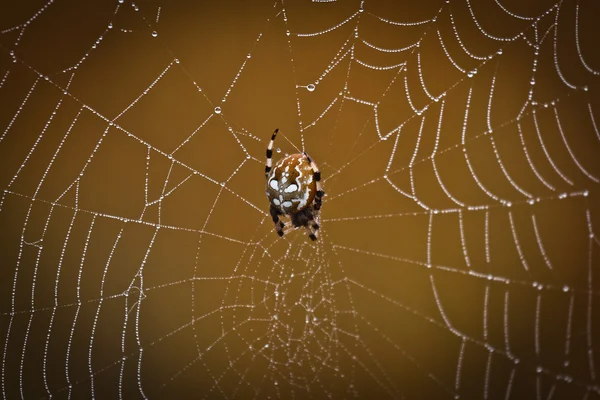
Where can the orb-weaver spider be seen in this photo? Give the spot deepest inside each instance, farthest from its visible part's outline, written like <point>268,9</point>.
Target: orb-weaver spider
<point>294,189</point>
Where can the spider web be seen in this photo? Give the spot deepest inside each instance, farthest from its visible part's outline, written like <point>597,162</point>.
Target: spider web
<point>457,255</point>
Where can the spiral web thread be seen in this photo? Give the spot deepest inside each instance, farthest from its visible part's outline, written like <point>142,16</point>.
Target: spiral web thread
<point>293,319</point>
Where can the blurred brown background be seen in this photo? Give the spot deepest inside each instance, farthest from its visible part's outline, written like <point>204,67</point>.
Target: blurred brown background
<point>457,256</point>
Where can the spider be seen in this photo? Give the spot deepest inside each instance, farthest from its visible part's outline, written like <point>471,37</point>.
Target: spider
<point>294,189</point>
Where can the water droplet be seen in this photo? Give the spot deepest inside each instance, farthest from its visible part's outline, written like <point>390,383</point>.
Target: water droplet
<point>121,1</point>
<point>585,88</point>
<point>177,61</point>
<point>154,34</point>
<point>499,51</point>
<point>532,82</point>
<point>585,193</point>
<point>310,87</point>
<point>110,26</point>
<point>217,110</point>
<point>249,56</point>
<point>278,150</point>
<point>565,288</point>
<point>531,201</point>
<point>470,74</point>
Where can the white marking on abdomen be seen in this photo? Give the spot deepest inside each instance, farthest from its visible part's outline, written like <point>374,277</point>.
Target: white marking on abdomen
<point>274,184</point>
<point>287,204</point>
<point>302,200</point>
<point>276,202</point>
<point>291,188</point>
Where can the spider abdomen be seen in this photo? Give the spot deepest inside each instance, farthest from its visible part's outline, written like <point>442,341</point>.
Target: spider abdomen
<point>290,184</point>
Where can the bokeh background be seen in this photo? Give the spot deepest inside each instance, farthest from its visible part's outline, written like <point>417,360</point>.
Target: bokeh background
<point>457,258</point>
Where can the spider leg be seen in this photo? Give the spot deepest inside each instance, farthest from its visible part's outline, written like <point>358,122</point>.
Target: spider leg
<point>279,225</point>
<point>311,234</point>
<point>270,153</point>
<point>311,225</point>
<point>317,178</point>
<point>316,209</point>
